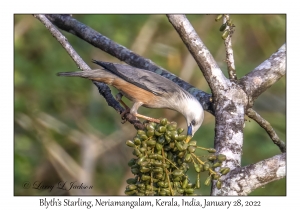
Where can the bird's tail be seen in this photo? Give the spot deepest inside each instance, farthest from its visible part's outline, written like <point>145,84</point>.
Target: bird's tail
<point>71,74</point>
<point>91,74</point>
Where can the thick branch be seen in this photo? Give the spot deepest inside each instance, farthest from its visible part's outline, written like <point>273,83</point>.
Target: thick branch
<point>91,36</point>
<point>103,88</point>
<point>243,181</point>
<point>210,69</point>
<point>267,126</point>
<point>265,75</point>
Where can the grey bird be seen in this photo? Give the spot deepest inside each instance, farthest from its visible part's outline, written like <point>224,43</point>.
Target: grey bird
<point>147,89</point>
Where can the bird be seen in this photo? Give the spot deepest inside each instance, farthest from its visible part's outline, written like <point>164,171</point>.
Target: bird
<point>148,89</point>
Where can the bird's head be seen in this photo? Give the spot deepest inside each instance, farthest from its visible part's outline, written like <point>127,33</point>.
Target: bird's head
<point>194,115</point>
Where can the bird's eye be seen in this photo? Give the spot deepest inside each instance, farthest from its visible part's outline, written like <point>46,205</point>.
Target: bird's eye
<point>193,122</point>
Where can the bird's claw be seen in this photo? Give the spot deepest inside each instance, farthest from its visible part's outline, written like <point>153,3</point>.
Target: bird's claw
<point>126,111</point>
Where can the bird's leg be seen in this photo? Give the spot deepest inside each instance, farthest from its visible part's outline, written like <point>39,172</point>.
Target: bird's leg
<point>127,109</point>
<point>119,99</point>
<point>134,109</point>
<point>147,118</point>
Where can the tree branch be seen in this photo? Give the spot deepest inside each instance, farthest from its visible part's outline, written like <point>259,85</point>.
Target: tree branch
<point>229,51</point>
<point>244,180</point>
<point>104,90</point>
<point>64,42</point>
<point>267,126</point>
<point>265,75</point>
<point>210,69</point>
<point>96,39</point>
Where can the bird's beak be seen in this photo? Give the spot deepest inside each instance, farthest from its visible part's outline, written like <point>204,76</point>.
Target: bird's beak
<point>189,134</point>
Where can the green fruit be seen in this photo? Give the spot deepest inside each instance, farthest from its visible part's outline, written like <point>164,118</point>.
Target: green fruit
<point>143,137</point>
<point>223,26</point>
<point>211,150</point>
<point>141,132</point>
<point>197,168</point>
<point>140,160</point>
<point>191,149</point>
<point>130,192</point>
<point>157,170</point>
<point>216,176</point>
<point>218,17</point>
<point>168,138</point>
<point>206,166</point>
<point>159,176</point>
<point>161,129</point>
<point>207,181</point>
<point>219,184</point>
<point>193,143</point>
<point>224,170</point>
<point>135,170</point>
<point>181,154</point>
<point>185,183</point>
<point>221,157</point>
<point>172,126</point>
<point>157,133</point>
<point>177,172</point>
<point>188,157</point>
<point>151,143</point>
<point>161,140</point>
<point>145,177</point>
<point>131,162</point>
<point>198,184</point>
<point>131,181</point>
<point>181,137</point>
<point>131,187</point>
<point>158,146</point>
<point>217,164</point>
<point>212,157</point>
<point>225,34</point>
<point>150,133</point>
<point>137,141</point>
<point>190,185</point>
<point>180,190</point>
<point>174,135</point>
<point>163,121</point>
<point>130,143</point>
<point>162,193</point>
<point>144,169</point>
<point>141,186</point>
<point>189,190</point>
<point>179,146</point>
<point>180,130</point>
<point>150,127</point>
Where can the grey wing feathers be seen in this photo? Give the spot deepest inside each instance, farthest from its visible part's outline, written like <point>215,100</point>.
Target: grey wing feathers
<point>147,80</point>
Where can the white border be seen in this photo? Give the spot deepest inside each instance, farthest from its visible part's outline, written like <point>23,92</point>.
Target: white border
<point>8,201</point>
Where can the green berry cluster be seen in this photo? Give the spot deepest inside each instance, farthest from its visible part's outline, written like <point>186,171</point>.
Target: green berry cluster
<point>163,157</point>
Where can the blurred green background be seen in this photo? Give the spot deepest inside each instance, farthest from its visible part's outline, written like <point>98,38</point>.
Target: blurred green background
<point>64,130</point>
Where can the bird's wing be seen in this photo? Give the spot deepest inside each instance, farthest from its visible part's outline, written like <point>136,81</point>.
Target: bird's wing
<point>144,79</point>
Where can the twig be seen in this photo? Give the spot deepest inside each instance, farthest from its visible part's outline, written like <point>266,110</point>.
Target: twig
<point>64,42</point>
<point>104,90</point>
<point>229,51</point>
<point>267,126</point>
<point>210,69</point>
<point>96,39</point>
